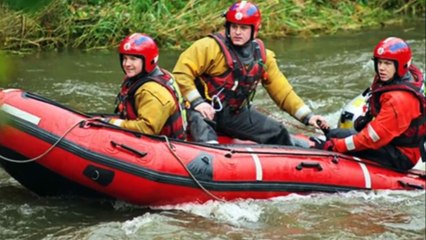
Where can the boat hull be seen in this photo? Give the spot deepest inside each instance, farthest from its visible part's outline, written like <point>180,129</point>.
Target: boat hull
<point>60,151</point>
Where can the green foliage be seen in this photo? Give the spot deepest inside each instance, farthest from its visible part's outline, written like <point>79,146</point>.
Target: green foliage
<point>94,24</point>
<point>25,5</point>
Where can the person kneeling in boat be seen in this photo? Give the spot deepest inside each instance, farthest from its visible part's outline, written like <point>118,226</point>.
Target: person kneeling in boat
<point>394,125</point>
<point>218,75</point>
<point>149,100</point>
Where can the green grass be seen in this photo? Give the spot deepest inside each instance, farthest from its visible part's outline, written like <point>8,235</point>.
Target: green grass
<point>27,25</point>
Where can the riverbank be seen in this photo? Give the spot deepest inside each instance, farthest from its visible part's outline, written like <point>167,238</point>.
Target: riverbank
<point>100,24</point>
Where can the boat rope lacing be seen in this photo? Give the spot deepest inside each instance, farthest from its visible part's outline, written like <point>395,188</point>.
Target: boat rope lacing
<point>173,151</point>
<point>49,149</point>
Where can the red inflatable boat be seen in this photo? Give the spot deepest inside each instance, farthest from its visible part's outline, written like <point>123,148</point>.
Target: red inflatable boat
<point>53,150</point>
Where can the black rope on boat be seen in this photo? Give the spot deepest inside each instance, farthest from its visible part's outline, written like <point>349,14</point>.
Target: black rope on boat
<point>172,150</point>
<point>47,151</point>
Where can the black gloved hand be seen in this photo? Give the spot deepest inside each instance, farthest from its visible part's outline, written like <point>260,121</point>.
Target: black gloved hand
<point>321,144</point>
<point>360,123</point>
<point>328,145</point>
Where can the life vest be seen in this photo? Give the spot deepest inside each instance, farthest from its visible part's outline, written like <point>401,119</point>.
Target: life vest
<point>175,124</point>
<point>236,86</point>
<point>412,82</point>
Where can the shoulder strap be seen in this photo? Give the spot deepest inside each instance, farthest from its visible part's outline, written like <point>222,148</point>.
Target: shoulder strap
<point>261,48</point>
<point>221,40</point>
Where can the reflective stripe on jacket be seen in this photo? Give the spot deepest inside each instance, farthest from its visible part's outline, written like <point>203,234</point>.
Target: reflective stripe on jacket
<point>412,82</point>
<point>399,118</point>
<point>205,57</point>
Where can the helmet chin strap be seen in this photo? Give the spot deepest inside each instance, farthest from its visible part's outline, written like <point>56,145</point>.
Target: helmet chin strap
<point>121,62</point>
<point>252,33</point>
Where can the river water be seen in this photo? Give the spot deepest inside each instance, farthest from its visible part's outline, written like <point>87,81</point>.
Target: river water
<point>326,71</point>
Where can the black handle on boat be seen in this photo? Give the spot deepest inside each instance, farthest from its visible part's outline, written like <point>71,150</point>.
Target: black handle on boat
<point>405,184</point>
<point>141,154</point>
<point>309,165</point>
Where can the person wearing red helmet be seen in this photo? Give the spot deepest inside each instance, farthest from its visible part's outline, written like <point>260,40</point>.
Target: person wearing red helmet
<point>149,100</point>
<point>395,123</point>
<point>218,75</point>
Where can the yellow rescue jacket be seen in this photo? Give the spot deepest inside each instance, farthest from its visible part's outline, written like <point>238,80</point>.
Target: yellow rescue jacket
<point>205,57</point>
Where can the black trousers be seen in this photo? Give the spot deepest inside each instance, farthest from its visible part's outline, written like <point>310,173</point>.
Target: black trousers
<point>246,124</point>
<point>388,155</point>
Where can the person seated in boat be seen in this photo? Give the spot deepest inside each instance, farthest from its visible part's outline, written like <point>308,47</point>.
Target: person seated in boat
<point>392,129</point>
<point>149,100</point>
<point>218,75</point>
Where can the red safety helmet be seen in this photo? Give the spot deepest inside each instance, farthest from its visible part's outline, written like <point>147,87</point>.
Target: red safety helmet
<point>141,45</point>
<point>395,49</point>
<point>244,12</point>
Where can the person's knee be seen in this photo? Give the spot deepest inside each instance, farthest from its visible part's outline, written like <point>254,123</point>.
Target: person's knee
<point>282,138</point>
<point>194,116</point>
<point>200,130</point>
<point>340,133</point>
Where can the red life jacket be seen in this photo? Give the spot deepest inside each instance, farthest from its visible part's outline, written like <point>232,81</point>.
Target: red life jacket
<point>412,82</point>
<point>174,126</point>
<point>236,86</point>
